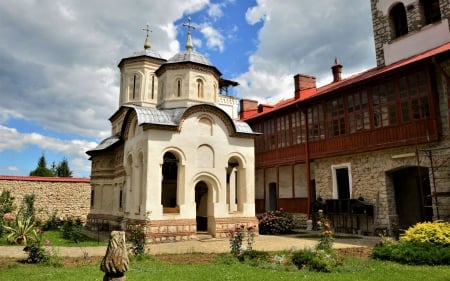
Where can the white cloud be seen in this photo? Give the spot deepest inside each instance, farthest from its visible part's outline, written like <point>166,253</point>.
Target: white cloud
<point>74,150</point>
<point>305,37</point>
<point>214,38</point>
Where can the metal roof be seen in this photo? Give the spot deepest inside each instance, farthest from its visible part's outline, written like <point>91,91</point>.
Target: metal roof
<point>190,56</point>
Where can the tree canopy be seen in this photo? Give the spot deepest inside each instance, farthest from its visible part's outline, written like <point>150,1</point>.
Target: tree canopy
<point>57,170</point>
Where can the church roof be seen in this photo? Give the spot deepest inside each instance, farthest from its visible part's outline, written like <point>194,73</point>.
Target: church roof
<point>108,142</point>
<point>189,56</point>
<point>172,117</point>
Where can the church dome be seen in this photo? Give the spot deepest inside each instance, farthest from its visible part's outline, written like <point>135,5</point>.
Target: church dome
<point>189,56</point>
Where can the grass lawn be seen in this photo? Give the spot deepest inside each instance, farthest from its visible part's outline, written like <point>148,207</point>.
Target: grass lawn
<point>56,239</point>
<point>197,267</point>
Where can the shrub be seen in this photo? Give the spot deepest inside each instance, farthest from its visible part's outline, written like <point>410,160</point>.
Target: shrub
<point>275,222</point>
<point>21,230</point>
<point>413,253</point>
<point>137,239</point>
<point>316,260</point>
<point>436,233</point>
<point>72,229</point>
<point>53,223</point>
<point>6,207</point>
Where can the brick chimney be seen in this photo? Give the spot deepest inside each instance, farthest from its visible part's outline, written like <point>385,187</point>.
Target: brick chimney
<point>303,82</point>
<point>337,71</point>
<point>248,108</point>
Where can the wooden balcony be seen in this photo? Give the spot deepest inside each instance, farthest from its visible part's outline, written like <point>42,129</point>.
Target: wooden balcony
<point>418,132</point>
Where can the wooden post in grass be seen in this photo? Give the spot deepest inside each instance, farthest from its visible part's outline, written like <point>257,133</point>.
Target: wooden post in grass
<point>115,262</point>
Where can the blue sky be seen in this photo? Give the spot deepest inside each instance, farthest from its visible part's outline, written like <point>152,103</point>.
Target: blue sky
<point>58,60</point>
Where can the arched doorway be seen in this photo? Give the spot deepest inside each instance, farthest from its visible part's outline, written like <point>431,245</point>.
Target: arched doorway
<point>412,195</point>
<point>201,205</point>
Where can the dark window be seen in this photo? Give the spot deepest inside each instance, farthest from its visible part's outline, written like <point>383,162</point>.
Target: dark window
<point>120,198</point>
<point>431,11</point>
<point>399,23</point>
<point>169,182</point>
<point>283,131</point>
<point>92,197</point>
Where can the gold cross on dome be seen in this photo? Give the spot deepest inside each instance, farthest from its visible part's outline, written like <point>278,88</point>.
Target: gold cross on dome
<point>147,29</point>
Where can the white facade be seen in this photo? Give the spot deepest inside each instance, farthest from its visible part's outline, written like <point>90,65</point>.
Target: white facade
<point>176,162</point>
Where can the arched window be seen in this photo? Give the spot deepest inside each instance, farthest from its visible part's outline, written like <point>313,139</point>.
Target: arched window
<point>199,88</point>
<point>399,24</point>
<point>169,181</point>
<point>134,84</point>
<point>153,87</point>
<point>431,11</point>
<point>178,88</point>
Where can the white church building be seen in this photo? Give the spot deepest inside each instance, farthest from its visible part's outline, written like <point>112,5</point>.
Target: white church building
<point>178,161</point>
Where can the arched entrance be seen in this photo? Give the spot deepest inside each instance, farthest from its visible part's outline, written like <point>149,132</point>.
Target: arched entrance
<point>412,195</point>
<point>201,205</point>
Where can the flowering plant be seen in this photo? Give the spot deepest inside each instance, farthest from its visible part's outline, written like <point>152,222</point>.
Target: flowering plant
<point>326,234</point>
<point>237,236</point>
<point>275,222</point>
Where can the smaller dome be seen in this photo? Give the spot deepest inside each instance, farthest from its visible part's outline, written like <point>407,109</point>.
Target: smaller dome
<point>189,56</point>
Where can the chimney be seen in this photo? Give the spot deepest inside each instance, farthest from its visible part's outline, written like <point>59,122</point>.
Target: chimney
<point>248,106</point>
<point>303,82</point>
<point>337,71</point>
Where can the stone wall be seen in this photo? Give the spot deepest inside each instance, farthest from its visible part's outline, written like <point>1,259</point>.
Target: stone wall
<point>66,197</point>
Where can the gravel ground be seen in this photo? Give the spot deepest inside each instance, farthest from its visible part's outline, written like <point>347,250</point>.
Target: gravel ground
<point>204,244</point>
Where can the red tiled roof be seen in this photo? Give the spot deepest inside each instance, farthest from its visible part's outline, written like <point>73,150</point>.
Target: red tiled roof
<point>310,93</point>
<point>46,179</point>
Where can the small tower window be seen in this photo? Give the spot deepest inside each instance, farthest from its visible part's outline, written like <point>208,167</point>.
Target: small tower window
<point>178,88</point>
<point>200,88</point>
<point>399,23</point>
<point>153,86</point>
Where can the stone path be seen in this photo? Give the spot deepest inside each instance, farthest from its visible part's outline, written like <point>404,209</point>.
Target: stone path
<point>203,244</point>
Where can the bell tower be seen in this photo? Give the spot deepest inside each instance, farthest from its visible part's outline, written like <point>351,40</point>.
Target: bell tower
<point>138,82</point>
<point>406,28</point>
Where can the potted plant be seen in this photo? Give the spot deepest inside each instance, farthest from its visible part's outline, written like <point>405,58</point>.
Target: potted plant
<point>21,231</point>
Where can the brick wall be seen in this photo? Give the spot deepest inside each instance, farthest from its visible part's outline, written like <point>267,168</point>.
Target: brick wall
<point>67,197</point>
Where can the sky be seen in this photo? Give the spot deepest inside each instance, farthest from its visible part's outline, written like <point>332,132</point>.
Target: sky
<point>59,80</point>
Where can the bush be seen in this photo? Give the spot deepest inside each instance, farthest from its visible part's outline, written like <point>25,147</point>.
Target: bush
<point>72,229</point>
<point>413,253</point>
<point>275,222</point>
<point>137,239</point>
<point>53,223</point>
<point>436,233</point>
<point>316,260</point>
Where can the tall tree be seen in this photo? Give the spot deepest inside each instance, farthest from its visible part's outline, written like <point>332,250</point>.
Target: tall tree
<point>42,169</point>
<point>63,170</point>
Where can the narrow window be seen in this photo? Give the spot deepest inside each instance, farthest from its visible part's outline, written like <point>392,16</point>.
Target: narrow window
<point>399,23</point>
<point>134,86</point>
<point>179,88</point>
<point>153,86</point>
<point>120,198</point>
<point>199,88</point>
<point>92,197</point>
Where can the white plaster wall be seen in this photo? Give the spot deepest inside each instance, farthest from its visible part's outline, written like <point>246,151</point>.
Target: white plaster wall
<point>430,36</point>
<point>300,186</point>
<point>154,143</point>
<point>285,182</point>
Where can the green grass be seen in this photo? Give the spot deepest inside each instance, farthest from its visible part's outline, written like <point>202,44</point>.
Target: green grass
<point>56,239</point>
<point>151,269</point>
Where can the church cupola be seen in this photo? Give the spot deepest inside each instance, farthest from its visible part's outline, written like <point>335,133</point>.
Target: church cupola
<point>138,81</point>
<point>188,78</point>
